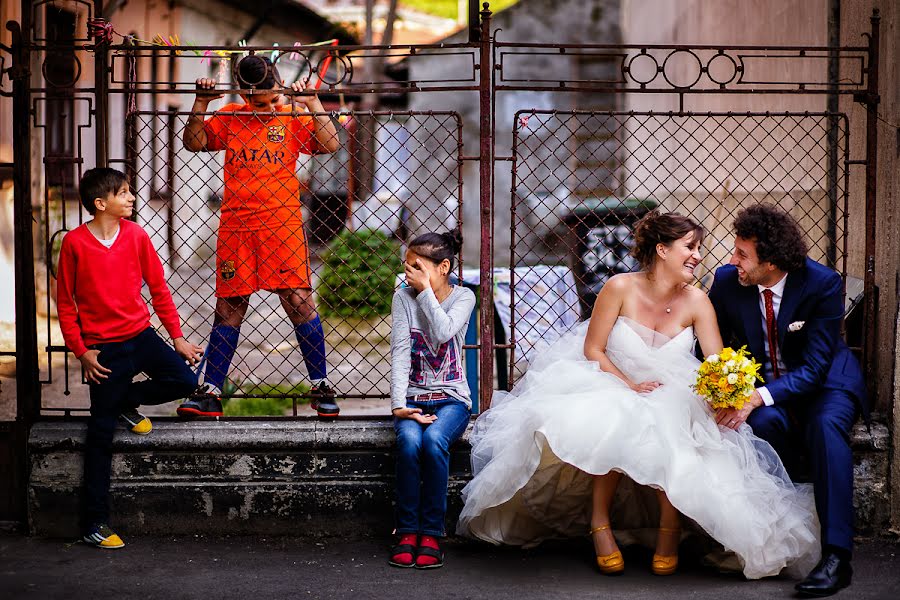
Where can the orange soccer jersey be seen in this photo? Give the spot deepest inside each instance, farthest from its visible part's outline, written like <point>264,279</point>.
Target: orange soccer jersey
<point>261,185</point>
<point>261,243</point>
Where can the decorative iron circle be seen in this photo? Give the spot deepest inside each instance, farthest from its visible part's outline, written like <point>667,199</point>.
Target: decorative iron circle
<point>690,56</point>
<point>76,74</point>
<point>304,68</point>
<point>338,64</point>
<point>651,66</point>
<point>724,65</point>
<point>253,59</point>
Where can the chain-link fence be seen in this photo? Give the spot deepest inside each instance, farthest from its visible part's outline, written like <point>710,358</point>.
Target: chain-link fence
<point>581,179</point>
<point>265,240</point>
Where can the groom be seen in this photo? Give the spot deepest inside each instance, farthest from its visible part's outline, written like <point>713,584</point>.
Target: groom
<point>787,310</point>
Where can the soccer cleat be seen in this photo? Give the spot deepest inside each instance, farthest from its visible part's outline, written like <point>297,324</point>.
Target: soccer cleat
<point>323,401</point>
<point>137,422</point>
<point>202,403</point>
<point>102,536</point>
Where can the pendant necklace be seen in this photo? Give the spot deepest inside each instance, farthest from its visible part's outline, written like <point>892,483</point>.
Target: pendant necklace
<point>668,304</point>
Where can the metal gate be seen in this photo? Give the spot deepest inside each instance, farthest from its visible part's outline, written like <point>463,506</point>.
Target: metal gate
<point>553,192</point>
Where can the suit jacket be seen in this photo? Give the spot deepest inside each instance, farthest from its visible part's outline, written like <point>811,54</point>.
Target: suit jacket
<point>815,356</point>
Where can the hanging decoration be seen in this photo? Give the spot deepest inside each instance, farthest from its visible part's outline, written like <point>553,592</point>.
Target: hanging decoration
<point>102,31</point>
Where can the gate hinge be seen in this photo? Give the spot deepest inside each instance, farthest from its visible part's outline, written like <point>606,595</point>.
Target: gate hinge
<point>867,98</point>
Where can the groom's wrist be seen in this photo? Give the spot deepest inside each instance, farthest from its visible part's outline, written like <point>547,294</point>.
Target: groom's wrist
<point>764,397</point>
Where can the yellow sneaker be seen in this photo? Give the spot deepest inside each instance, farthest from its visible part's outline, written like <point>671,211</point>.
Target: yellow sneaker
<point>137,422</point>
<point>102,536</point>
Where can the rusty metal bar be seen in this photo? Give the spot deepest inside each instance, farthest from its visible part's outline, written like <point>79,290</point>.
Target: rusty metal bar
<point>486,171</point>
<point>870,355</point>
<point>474,29</point>
<point>719,48</point>
<point>27,384</point>
<point>833,106</point>
<point>101,84</point>
<point>512,253</point>
<point>28,388</point>
<point>624,89</point>
<point>131,133</point>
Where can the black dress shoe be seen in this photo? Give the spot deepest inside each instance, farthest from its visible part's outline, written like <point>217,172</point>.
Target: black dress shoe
<point>831,575</point>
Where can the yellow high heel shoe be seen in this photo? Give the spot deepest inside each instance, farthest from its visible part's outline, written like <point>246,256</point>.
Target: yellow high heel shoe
<point>665,565</point>
<point>611,564</point>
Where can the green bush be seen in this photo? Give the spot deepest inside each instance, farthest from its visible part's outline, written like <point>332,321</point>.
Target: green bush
<point>358,274</point>
<point>263,404</point>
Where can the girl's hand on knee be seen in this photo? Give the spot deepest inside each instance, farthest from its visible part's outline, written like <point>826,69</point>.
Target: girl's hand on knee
<point>415,414</point>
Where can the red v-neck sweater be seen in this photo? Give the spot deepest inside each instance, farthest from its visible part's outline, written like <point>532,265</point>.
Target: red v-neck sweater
<point>99,289</point>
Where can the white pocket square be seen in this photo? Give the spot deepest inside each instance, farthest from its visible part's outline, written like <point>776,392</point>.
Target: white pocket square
<point>796,325</point>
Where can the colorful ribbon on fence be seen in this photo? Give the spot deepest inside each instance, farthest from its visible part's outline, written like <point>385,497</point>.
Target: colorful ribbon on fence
<point>102,32</point>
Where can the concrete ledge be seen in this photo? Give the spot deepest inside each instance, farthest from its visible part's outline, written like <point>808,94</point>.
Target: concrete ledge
<point>292,477</point>
<point>285,477</point>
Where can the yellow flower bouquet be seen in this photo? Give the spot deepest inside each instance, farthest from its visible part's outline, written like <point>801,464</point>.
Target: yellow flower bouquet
<point>727,379</point>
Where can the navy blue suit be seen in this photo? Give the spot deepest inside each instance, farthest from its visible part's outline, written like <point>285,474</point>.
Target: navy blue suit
<point>820,393</point>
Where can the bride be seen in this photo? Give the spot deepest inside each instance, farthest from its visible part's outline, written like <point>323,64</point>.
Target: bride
<point>612,398</point>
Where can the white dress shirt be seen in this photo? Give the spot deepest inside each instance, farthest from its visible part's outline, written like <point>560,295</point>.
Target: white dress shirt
<point>777,294</point>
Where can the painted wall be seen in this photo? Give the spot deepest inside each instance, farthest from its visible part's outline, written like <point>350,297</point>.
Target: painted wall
<point>855,16</point>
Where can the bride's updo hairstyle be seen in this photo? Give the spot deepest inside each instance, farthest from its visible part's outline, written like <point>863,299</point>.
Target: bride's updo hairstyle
<point>438,247</point>
<point>661,228</point>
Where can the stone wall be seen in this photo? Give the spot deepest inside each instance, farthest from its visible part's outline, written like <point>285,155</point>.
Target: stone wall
<point>231,477</point>
<point>287,477</point>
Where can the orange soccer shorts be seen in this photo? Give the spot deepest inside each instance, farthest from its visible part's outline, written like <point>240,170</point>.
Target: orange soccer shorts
<point>271,256</point>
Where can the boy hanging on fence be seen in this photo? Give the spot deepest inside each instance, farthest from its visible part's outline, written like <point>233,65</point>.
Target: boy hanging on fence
<point>106,324</point>
<point>261,244</point>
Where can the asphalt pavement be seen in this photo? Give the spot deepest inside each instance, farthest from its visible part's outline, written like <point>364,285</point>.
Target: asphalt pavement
<point>249,568</point>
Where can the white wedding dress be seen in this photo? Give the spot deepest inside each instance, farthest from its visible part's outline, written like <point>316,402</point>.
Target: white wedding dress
<point>533,453</point>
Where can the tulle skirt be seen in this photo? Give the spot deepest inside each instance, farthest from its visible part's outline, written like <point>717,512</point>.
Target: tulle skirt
<point>535,451</point>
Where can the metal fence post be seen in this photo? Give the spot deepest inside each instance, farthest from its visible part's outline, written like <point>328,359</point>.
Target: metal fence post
<point>871,101</point>
<point>486,167</point>
<point>28,396</point>
<point>101,95</point>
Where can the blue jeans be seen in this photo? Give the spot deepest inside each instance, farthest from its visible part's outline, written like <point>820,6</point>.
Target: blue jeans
<point>423,465</point>
<point>169,379</point>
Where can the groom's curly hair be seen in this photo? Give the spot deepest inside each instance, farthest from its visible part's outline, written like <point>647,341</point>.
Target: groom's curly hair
<point>778,237</point>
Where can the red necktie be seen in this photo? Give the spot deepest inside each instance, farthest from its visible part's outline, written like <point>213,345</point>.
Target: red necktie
<point>771,332</point>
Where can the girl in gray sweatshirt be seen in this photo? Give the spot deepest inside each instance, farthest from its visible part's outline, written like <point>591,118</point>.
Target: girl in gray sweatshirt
<point>429,393</point>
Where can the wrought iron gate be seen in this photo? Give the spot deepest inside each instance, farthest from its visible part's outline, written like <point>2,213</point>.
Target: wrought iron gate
<point>579,176</point>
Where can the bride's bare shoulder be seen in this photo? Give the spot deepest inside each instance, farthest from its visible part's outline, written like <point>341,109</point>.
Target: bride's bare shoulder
<point>622,283</point>
<point>698,298</point>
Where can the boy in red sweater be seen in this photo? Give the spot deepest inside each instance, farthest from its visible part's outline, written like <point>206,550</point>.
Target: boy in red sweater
<point>106,324</point>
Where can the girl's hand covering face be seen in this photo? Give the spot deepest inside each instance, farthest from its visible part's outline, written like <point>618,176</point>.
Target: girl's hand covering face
<point>418,275</point>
